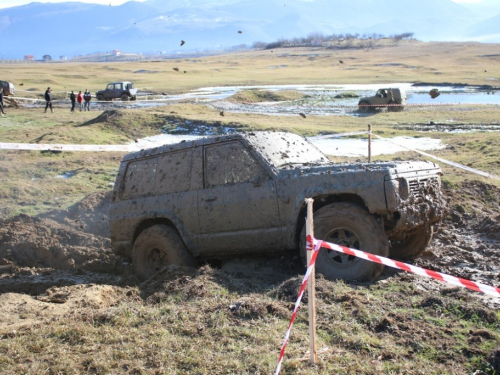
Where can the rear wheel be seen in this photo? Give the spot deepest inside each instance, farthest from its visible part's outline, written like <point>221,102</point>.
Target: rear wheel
<point>100,98</point>
<point>157,247</point>
<point>413,245</point>
<point>394,107</point>
<point>348,225</point>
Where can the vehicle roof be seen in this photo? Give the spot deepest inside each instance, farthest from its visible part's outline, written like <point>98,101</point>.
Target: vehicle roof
<point>278,147</point>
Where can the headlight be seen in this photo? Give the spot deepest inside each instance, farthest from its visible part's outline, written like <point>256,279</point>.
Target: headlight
<point>404,188</point>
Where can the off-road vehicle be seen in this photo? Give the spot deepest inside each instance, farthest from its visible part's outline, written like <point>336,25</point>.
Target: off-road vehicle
<point>226,196</point>
<point>393,99</point>
<point>117,90</point>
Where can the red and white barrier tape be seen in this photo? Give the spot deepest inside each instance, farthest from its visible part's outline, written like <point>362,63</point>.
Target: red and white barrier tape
<point>318,244</point>
<point>478,287</point>
<point>297,304</point>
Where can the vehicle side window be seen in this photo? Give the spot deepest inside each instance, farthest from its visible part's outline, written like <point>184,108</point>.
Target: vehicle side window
<point>110,87</point>
<point>230,163</point>
<point>118,86</point>
<point>139,178</point>
<point>173,173</point>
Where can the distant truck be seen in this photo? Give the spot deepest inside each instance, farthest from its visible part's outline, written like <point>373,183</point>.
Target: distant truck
<point>392,98</point>
<point>8,88</point>
<point>117,90</point>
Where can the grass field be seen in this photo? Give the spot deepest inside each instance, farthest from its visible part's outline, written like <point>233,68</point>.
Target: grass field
<point>185,324</point>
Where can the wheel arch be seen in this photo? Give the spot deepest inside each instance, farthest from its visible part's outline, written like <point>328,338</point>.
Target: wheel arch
<point>148,223</point>
<point>322,201</point>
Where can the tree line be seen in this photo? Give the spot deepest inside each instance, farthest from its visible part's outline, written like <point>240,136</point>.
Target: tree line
<point>337,41</point>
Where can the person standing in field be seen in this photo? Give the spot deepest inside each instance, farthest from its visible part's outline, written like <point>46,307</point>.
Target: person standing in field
<point>79,99</point>
<point>1,101</point>
<point>72,97</point>
<point>48,100</point>
<point>86,97</point>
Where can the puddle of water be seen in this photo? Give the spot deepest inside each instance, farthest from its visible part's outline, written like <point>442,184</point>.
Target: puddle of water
<point>66,175</point>
<point>333,146</point>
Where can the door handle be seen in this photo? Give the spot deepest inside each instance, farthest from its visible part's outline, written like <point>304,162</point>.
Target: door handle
<point>210,199</point>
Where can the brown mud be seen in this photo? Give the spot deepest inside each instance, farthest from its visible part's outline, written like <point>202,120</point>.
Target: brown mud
<point>61,261</point>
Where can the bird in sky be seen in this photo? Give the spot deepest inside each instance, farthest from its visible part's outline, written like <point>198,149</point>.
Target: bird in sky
<point>182,43</point>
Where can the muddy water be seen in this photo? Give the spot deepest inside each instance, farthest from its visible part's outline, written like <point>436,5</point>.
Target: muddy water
<point>325,94</point>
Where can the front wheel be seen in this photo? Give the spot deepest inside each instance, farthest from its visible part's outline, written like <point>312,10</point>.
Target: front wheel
<point>348,225</point>
<point>413,245</point>
<point>157,247</point>
<point>364,107</point>
<point>124,98</point>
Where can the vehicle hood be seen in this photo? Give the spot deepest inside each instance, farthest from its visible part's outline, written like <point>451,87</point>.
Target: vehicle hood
<point>394,169</point>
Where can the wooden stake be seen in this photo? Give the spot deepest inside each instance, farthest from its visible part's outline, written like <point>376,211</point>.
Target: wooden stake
<point>311,286</point>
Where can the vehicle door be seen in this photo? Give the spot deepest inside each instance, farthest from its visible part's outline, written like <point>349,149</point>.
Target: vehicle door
<point>110,89</point>
<point>237,208</point>
<point>381,97</point>
<point>117,92</point>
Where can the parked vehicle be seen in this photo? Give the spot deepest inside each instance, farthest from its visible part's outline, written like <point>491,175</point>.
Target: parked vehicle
<point>394,99</point>
<point>241,194</point>
<point>117,90</point>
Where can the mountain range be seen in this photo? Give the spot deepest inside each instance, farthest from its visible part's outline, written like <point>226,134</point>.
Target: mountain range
<point>73,28</point>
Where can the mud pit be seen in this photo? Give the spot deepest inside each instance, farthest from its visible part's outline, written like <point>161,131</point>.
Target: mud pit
<point>62,261</point>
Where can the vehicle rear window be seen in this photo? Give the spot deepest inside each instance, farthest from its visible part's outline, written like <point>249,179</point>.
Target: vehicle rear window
<point>139,178</point>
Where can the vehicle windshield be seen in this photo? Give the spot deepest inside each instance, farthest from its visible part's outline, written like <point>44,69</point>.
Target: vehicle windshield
<point>283,149</point>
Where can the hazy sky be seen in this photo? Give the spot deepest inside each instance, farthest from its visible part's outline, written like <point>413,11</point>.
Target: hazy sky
<point>12,3</point>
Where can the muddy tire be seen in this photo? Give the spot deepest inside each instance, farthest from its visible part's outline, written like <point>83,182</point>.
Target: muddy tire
<point>124,98</point>
<point>412,246</point>
<point>100,98</point>
<point>398,108</point>
<point>349,225</point>
<point>363,107</point>
<point>157,247</point>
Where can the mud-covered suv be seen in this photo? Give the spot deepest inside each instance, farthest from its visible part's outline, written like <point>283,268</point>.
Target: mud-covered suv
<point>225,196</point>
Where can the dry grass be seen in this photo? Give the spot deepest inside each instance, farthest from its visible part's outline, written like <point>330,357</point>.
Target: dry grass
<point>210,322</point>
<point>184,324</point>
<point>416,62</point>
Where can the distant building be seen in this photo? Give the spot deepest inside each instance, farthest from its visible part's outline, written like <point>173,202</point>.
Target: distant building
<point>47,58</point>
<point>116,52</point>
<point>63,58</point>
<point>29,57</point>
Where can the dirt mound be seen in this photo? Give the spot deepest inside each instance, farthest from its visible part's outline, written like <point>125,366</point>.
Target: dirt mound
<point>74,239</point>
<point>466,243</point>
<point>20,310</point>
<point>106,117</point>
